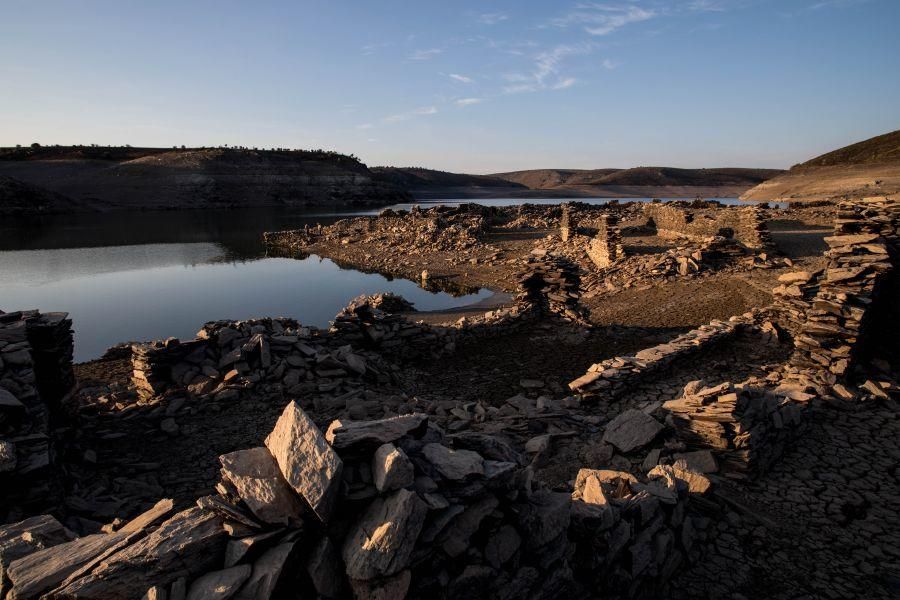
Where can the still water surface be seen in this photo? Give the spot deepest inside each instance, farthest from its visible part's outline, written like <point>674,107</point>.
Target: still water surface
<point>152,275</point>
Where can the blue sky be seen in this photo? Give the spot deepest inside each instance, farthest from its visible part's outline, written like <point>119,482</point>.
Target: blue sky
<point>462,86</point>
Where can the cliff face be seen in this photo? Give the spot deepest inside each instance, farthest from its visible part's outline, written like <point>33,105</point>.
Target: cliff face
<point>215,178</point>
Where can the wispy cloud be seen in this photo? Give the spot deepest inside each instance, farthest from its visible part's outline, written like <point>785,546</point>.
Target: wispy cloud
<point>461,78</point>
<point>492,18</point>
<point>426,54</point>
<point>425,110</point>
<point>835,4</point>
<point>609,64</point>
<point>603,19</point>
<point>546,71</point>
<point>469,101</point>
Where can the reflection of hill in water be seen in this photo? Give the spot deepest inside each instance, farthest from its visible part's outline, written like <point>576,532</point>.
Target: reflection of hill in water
<point>237,232</point>
<point>36,267</point>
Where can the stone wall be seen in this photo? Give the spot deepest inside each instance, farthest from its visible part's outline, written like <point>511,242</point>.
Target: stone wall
<point>392,508</point>
<point>35,373</point>
<point>707,219</point>
<point>612,377</point>
<point>862,256</point>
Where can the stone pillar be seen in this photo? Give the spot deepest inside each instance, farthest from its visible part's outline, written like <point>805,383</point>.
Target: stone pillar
<point>606,247</point>
<point>565,227</point>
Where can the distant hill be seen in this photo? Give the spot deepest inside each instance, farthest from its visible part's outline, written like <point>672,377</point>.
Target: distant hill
<point>867,168</point>
<point>419,178</point>
<point>639,176</point>
<point>155,178</point>
<point>880,149</point>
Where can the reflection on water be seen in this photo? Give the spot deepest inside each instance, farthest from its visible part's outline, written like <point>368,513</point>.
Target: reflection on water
<point>149,275</point>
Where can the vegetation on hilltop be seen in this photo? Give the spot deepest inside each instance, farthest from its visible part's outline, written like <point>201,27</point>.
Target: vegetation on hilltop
<point>419,177</point>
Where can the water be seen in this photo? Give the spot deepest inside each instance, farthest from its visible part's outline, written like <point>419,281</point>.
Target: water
<point>151,275</point>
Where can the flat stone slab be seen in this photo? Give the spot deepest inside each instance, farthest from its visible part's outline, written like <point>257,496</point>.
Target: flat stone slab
<point>631,430</point>
<point>309,465</point>
<point>455,465</point>
<point>219,585</point>
<point>262,487</point>
<point>360,435</point>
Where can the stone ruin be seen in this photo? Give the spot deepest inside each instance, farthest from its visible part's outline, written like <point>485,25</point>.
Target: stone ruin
<point>702,220</point>
<point>398,507</point>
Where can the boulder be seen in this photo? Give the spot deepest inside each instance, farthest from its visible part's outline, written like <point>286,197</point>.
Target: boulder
<point>455,539</point>
<point>260,484</point>
<point>309,465</point>
<point>454,465</point>
<point>631,430</point>
<point>325,569</point>
<point>391,468</point>
<point>384,538</point>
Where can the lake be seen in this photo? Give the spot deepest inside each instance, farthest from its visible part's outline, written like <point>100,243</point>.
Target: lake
<point>152,275</point>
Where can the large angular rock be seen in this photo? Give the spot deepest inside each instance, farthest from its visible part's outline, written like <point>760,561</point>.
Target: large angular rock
<point>384,538</point>
<point>267,572</point>
<point>455,539</point>
<point>309,465</point>
<point>326,569</point>
<point>454,465</point>
<point>190,543</point>
<point>631,430</point>
<point>219,585</point>
<point>391,469</point>
<point>388,588</point>
<point>18,540</point>
<point>366,435</point>
<point>262,487</point>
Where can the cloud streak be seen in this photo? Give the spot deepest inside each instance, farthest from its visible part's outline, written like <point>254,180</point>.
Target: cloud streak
<point>492,18</point>
<point>426,54</point>
<point>468,101</point>
<point>461,78</point>
<point>604,19</point>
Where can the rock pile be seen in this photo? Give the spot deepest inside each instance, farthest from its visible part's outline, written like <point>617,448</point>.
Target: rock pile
<point>862,254</point>
<point>391,508</point>
<point>747,426</point>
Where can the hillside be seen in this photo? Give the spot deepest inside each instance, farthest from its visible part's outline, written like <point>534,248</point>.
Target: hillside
<point>413,178</point>
<point>140,178</point>
<point>19,197</point>
<point>867,168</point>
<point>880,149</point>
<point>638,176</point>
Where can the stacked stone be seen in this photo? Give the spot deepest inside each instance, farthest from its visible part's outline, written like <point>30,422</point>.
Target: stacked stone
<point>747,426</point>
<point>631,536</point>
<point>565,223</point>
<point>794,296</point>
<point>52,347</point>
<point>153,365</point>
<point>392,508</point>
<point>862,254</point>
<point>614,376</point>
<point>28,481</point>
<point>606,247</point>
<point>550,285</point>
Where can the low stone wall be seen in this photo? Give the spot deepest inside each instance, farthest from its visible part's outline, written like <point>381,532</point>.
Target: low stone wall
<point>392,508</point>
<point>746,224</point>
<point>746,425</point>
<point>862,256</point>
<point>614,376</point>
<point>35,373</point>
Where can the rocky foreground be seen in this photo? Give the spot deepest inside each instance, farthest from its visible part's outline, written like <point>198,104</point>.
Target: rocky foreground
<point>544,449</point>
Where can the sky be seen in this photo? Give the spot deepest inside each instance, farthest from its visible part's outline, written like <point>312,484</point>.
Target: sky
<point>458,85</point>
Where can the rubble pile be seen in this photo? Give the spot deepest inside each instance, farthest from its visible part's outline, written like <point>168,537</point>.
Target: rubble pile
<point>551,285</point>
<point>35,372</point>
<point>701,220</point>
<point>794,296</point>
<point>391,508</point>
<point>861,255</point>
<point>612,377</point>
<point>747,425</point>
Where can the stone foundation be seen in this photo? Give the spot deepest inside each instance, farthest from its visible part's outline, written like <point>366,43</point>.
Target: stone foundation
<point>606,247</point>
<point>708,219</point>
